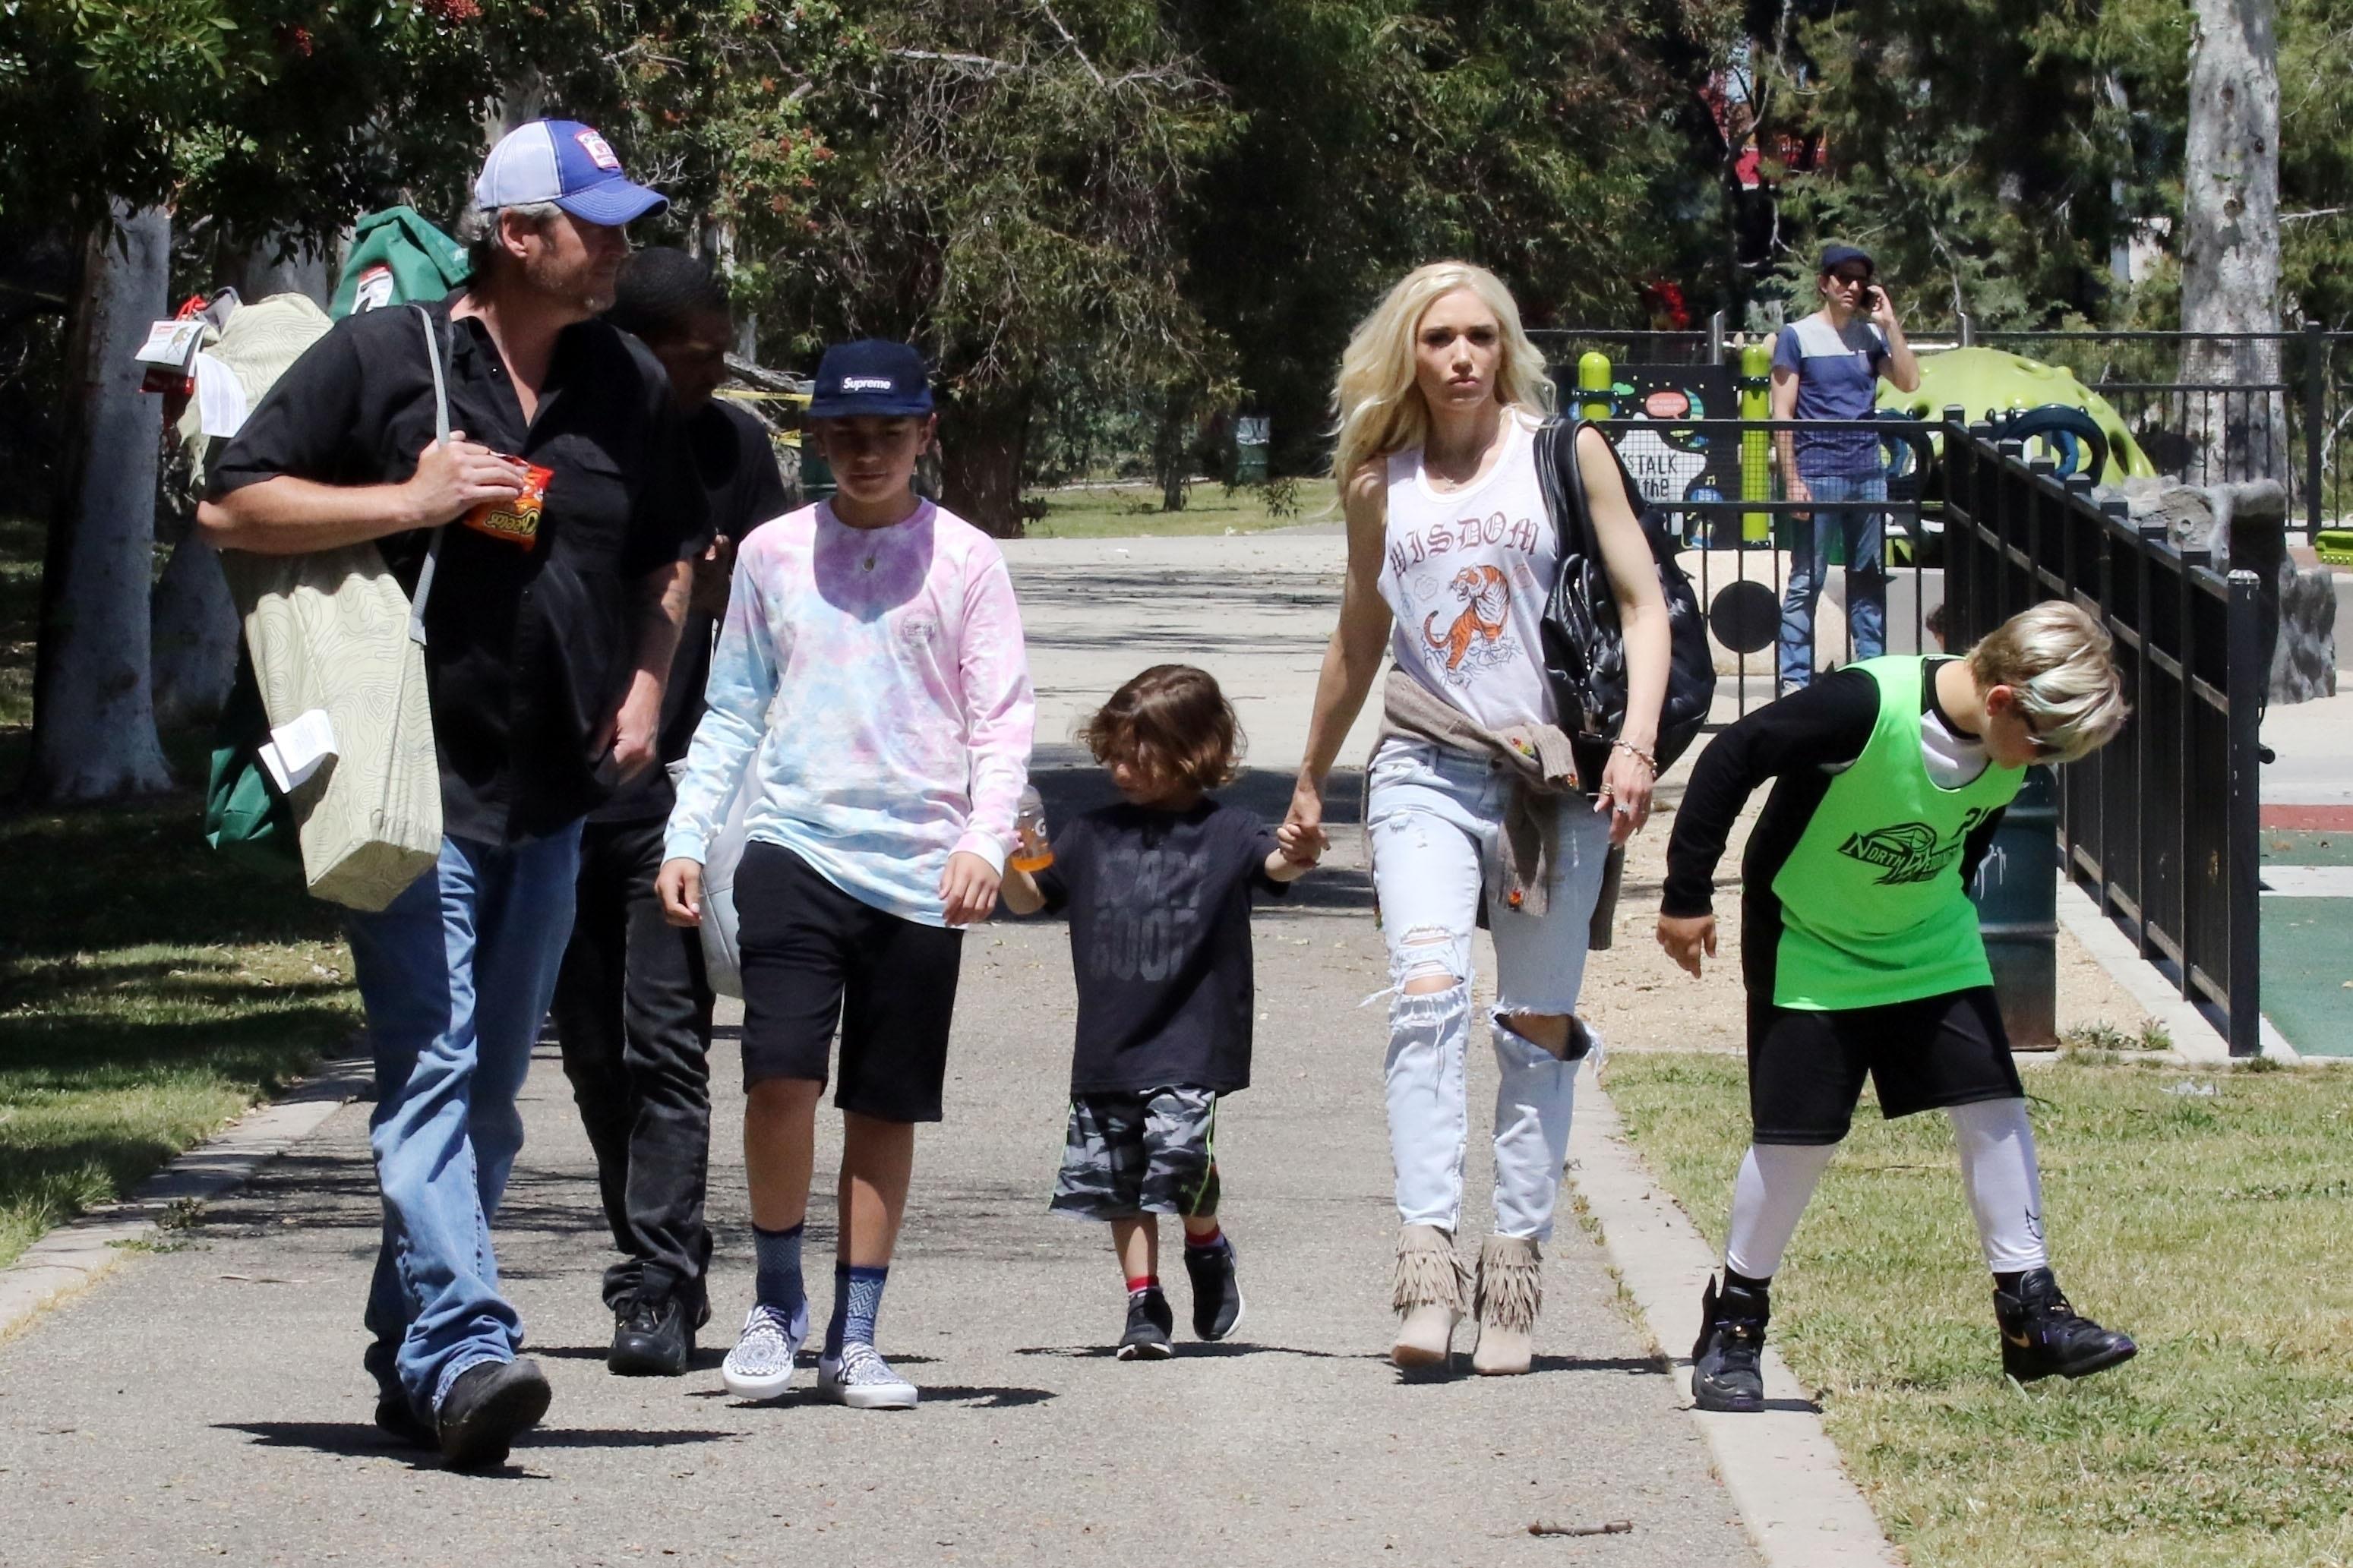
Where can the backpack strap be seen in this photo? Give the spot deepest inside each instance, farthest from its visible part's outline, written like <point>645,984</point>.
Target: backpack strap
<point>440,438</point>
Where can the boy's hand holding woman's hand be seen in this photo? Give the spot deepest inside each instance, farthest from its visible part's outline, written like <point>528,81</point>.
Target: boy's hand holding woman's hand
<point>1302,844</point>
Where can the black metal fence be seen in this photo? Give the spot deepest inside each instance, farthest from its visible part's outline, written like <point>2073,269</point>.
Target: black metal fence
<point>2294,424</point>
<point>2160,827</point>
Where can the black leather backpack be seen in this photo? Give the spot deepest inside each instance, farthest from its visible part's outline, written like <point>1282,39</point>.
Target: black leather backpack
<point>1584,647</point>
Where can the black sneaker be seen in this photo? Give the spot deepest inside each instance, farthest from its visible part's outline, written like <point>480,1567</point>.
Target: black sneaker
<point>486,1409</point>
<point>2042,1335</point>
<point>1726,1373</point>
<point>650,1339</point>
<point>1217,1294</point>
<point>397,1417</point>
<point>1149,1322</point>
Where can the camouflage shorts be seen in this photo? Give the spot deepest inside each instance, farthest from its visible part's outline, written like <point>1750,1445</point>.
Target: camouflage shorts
<point>1129,1154</point>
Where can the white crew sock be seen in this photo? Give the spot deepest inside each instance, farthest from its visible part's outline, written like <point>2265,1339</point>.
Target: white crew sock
<point>2004,1186</point>
<point>1775,1180</point>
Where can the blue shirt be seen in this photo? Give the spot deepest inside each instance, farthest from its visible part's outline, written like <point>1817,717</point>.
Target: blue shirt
<point>1837,378</point>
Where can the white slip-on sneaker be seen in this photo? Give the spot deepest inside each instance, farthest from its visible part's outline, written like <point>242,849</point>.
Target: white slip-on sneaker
<point>761,1365</point>
<point>860,1378</point>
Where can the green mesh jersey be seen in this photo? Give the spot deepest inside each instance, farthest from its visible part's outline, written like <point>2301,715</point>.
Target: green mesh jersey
<point>1873,909</point>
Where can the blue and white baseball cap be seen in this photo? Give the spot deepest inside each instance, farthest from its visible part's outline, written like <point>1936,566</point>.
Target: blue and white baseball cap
<point>871,376</point>
<point>567,162</point>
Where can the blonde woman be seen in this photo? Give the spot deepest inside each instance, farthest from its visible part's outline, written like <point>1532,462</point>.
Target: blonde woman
<point>1470,794</point>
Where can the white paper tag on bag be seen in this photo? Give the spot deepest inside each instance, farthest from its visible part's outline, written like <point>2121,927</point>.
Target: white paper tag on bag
<point>220,398</point>
<point>296,748</point>
<point>173,343</point>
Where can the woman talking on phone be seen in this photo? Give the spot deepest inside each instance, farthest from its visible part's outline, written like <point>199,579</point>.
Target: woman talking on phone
<point>1471,790</point>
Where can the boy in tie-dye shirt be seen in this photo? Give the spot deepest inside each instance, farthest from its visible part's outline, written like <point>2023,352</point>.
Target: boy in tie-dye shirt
<point>871,677</point>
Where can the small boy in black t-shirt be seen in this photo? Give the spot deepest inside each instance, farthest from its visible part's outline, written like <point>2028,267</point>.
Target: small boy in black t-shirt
<point>1158,890</point>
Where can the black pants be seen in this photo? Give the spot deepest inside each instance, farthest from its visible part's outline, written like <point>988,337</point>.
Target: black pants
<point>633,1009</point>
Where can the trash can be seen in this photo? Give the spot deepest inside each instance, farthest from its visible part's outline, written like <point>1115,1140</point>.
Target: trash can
<point>2017,895</point>
<point>1253,434</point>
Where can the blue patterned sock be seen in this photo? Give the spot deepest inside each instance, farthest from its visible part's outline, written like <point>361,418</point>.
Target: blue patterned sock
<point>857,1297</point>
<point>779,1284</point>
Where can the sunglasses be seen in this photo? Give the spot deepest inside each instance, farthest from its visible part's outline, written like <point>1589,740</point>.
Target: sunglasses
<point>1857,279</point>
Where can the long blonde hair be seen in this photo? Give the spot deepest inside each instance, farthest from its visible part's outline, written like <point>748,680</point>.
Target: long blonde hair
<point>1380,409</point>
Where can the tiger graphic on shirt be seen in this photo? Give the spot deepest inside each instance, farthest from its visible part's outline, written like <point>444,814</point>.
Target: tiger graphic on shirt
<point>1485,619</point>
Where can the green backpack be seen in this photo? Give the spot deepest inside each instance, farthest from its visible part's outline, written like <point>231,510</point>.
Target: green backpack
<point>397,258</point>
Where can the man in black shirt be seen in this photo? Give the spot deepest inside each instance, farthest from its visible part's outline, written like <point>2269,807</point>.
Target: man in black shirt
<point>549,629</point>
<point>633,1004</point>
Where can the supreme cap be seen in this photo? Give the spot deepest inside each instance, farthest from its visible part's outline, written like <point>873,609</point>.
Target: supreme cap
<point>871,376</point>
<point>567,162</point>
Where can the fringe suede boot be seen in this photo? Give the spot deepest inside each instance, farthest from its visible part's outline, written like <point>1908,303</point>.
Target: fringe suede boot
<point>1511,1289</point>
<point>1429,1297</point>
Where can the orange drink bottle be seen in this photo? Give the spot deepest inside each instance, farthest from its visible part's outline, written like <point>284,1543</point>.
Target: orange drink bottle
<point>1031,850</point>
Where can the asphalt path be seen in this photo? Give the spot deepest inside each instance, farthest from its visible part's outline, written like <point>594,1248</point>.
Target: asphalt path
<point>206,1400</point>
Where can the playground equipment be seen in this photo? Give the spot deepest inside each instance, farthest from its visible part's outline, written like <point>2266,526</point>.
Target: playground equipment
<point>2041,405</point>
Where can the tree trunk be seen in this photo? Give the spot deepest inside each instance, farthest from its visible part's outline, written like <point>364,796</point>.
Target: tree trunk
<point>263,273</point>
<point>1172,451</point>
<point>2230,241</point>
<point>195,632</point>
<point>93,714</point>
<point>982,447</point>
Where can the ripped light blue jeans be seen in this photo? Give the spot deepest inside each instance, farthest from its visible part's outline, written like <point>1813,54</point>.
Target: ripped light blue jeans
<point>1433,820</point>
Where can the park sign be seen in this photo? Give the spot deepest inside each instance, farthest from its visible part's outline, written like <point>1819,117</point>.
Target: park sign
<point>1674,463</point>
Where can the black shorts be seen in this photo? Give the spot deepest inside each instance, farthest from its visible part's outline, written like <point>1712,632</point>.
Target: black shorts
<point>1805,1069</point>
<point>815,958</point>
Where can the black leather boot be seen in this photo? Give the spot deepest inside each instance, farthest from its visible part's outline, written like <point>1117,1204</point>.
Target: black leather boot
<point>1726,1374</point>
<point>2042,1335</point>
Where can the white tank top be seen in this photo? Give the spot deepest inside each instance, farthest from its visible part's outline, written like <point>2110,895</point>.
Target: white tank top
<point>1466,574</point>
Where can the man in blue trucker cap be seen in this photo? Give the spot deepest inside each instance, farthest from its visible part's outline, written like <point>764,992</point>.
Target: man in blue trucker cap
<point>554,526</point>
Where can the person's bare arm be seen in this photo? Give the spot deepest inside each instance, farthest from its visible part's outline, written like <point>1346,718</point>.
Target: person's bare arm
<point>1352,657</point>
<point>292,516</point>
<point>1628,780</point>
<point>1282,868</point>
<point>634,729</point>
<point>1902,367</point>
<point>1783,397</point>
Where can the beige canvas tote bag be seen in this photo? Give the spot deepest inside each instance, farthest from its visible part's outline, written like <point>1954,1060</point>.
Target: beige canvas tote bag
<point>338,654</point>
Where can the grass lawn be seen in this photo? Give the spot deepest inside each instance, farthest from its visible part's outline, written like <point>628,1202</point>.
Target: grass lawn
<point>1127,510</point>
<point>2212,1228</point>
<point>148,992</point>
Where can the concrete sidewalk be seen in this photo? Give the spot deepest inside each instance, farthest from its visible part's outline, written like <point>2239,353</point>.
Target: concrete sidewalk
<point>206,1401</point>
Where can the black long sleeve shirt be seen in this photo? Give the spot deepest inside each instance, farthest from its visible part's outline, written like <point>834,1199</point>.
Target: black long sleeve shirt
<point>1801,742</point>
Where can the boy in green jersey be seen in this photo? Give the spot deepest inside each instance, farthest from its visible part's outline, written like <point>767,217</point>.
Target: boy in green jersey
<point>1861,954</point>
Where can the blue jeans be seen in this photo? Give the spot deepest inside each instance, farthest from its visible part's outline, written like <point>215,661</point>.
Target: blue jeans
<point>1864,529</point>
<point>456,973</point>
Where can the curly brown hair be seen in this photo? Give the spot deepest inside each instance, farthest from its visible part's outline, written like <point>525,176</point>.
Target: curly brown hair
<point>1173,721</point>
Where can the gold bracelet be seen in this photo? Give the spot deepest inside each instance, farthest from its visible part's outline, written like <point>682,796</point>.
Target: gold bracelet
<point>1645,758</point>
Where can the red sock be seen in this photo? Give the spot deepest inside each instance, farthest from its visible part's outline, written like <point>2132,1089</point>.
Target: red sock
<point>1149,1282</point>
<point>1205,1243</point>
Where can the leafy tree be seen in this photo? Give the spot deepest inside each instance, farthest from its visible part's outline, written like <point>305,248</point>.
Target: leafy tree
<point>1003,189</point>
<point>1994,154</point>
<point>1546,140</point>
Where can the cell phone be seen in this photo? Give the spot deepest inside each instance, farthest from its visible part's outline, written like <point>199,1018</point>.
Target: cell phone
<point>1870,296</point>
